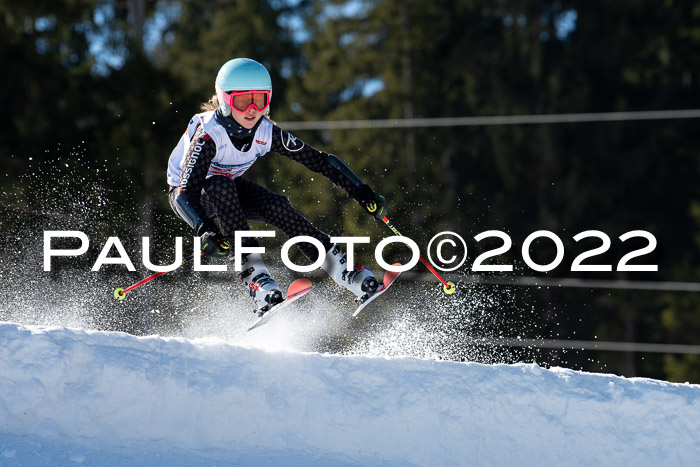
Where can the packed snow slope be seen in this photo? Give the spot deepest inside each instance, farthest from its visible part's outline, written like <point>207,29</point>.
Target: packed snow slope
<point>103,398</point>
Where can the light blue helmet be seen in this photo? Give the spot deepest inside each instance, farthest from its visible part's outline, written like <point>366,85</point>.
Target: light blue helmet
<point>241,74</point>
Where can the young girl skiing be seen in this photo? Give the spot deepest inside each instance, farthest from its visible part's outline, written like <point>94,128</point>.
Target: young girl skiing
<point>206,183</point>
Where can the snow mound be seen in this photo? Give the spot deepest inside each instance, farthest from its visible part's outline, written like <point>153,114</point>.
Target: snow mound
<point>70,397</point>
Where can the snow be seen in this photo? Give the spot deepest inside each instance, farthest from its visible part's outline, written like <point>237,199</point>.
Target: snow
<point>76,397</point>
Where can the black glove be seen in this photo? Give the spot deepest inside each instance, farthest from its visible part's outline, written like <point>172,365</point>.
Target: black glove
<point>215,244</point>
<point>372,202</point>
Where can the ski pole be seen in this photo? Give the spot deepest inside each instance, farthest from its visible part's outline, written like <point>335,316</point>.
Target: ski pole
<point>448,287</point>
<point>120,294</point>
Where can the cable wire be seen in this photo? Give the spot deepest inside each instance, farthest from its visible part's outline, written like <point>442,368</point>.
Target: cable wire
<point>492,120</point>
<point>528,281</point>
<point>590,345</point>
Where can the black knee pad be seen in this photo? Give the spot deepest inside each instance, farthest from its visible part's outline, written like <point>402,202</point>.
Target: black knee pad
<point>280,202</point>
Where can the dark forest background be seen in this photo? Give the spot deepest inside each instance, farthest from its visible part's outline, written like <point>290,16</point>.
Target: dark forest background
<point>95,94</point>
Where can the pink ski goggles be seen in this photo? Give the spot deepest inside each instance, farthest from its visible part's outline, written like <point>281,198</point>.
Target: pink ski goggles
<point>242,100</point>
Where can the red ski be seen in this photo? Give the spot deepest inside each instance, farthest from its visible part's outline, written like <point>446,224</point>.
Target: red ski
<point>389,279</point>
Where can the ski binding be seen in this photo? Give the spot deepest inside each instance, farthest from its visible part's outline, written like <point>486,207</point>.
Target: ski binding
<point>389,279</point>
<point>296,290</point>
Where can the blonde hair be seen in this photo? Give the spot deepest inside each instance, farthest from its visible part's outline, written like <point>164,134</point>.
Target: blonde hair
<point>211,104</point>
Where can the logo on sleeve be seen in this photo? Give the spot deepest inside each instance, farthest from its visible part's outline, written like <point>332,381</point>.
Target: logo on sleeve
<point>290,142</point>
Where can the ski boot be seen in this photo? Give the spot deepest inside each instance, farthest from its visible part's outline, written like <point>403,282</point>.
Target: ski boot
<point>261,286</point>
<point>360,281</point>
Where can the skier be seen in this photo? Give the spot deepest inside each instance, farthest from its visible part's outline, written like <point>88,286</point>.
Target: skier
<point>205,177</point>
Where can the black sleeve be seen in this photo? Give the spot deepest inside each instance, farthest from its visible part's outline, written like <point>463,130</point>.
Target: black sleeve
<point>194,173</point>
<point>284,143</point>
